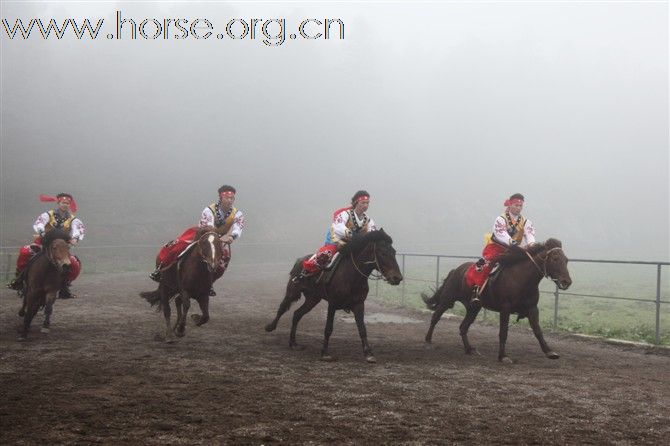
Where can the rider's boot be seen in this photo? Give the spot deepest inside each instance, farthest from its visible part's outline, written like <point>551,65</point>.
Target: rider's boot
<point>16,283</point>
<point>65,292</point>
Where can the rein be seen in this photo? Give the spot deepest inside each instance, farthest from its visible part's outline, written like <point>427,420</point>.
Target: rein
<point>380,276</point>
<point>543,270</point>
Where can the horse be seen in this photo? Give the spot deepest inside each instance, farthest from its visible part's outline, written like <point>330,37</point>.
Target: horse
<point>190,277</point>
<point>514,290</point>
<point>45,275</point>
<point>347,288</point>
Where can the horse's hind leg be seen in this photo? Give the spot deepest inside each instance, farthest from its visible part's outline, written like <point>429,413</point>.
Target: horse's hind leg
<point>502,335</point>
<point>48,310</point>
<point>201,319</point>
<point>32,305</point>
<point>292,295</point>
<point>470,316</point>
<point>437,314</point>
<point>359,315</point>
<point>167,312</point>
<point>534,320</point>
<point>306,307</point>
<point>327,332</point>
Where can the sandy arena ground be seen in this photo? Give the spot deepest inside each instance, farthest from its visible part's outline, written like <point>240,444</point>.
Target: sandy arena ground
<point>101,376</point>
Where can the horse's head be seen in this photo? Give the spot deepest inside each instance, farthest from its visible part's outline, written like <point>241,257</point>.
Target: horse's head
<point>385,257</point>
<point>209,248</point>
<point>556,264</point>
<point>58,249</point>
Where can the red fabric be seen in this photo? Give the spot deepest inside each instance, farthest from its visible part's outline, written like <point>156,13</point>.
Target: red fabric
<point>75,268</point>
<point>490,252</point>
<point>513,201</point>
<point>169,253</point>
<point>321,259</point>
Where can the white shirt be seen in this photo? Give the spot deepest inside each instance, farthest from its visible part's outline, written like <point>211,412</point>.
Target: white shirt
<point>501,235</point>
<point>77,228</point>
<point>207,219</point>
<point>339,231</point>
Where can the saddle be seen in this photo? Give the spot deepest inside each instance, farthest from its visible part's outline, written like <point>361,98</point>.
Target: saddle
<point>326,274</point>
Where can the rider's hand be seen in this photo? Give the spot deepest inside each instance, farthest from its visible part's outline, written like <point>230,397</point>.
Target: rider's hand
<point>73,241</point>
<point>226,239</point>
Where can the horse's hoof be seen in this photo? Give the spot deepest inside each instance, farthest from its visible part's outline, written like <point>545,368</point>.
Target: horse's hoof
<point>270,327</point>
<point>22,338</point>
<point>327,358</point>
<point>371,359</point>
<point>195,318</point>
<point>45,330</point>
<point>170,340</point>
<point>22,312</point>
<point>506,360</point>
<point>180,334</point>
<point>553,355</point>
<point>473,352</point>
<point>296,347</point>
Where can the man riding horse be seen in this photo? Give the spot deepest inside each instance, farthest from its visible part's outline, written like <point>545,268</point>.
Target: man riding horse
<point>62,217</point>
<point>347,222</point>
<point>509,229</point>
<point>228,222</point>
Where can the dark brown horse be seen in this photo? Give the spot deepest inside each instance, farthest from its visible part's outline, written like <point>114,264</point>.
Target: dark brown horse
<point>45,275</point>
<point>515,290</point>
<point>191,277</point>
<point>346,290</point>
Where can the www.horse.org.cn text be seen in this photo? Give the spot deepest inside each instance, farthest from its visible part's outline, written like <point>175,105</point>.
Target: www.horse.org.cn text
<point>271,32</point>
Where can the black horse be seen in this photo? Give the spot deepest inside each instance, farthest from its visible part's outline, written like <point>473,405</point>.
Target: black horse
<point>346,290</point>
<point>515,290</point>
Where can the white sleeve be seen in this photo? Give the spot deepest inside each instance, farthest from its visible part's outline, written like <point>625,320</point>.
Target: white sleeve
<point>529,232</point>
<point>371,225</point>
<point>238,225</point>
<point>78,229</point>
<point>339,226</point>
<point>500,231</point>
<point>207,218</point>
<point>41,222</point>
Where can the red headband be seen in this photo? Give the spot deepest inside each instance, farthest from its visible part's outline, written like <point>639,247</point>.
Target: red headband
<point>227,193</point>
<point>362,197</point>
<point>512,201</point>
<point>65,198</point>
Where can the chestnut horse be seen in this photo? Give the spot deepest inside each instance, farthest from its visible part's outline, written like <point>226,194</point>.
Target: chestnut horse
<point>515,290</point>
<point>45,275</point>
<point>190,277</point>
<point>346,290</point>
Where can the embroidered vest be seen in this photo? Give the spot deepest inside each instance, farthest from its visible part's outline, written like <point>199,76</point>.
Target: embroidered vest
<point>515,230</point>
<point>56,221</point>
<point>353,224</point>
<point>221,217</point>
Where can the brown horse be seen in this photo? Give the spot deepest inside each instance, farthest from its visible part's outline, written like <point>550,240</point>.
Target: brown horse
<point>45,275</point>
<point>191,277</point>
<point>346,290</point>
<point>515,290</point>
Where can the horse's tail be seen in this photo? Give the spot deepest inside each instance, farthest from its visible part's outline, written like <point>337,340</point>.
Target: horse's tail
<point>153,297</point>
<point>433,301</point>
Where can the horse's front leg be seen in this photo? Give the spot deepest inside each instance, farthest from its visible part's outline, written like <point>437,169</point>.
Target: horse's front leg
<point>183,303</point>
<point>502,335</point>
<point>327,332</point>
<point>48,310</point>
<point>201,319</point>
<point>359,315</point>
<point>32,305</point>
<point>306,307</point>
<point>534,320</point>
<point>470,316</point>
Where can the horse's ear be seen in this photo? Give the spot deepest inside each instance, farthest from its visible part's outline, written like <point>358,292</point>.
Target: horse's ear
<point>553,243</point>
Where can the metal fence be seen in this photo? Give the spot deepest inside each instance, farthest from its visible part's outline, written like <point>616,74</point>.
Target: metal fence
<point>657,301</point>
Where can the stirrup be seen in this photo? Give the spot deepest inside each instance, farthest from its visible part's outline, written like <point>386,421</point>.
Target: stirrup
<point>212,292</point>
<point>65,293</point>
<point>156,275</point>
<point>16,284</point>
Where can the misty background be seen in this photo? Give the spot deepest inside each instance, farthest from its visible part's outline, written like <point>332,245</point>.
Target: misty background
<point>439,110</point>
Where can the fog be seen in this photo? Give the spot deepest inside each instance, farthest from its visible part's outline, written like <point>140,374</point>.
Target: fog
<point>439,110</point>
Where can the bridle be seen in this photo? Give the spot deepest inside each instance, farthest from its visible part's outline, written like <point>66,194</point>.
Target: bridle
<point>375,262</point>
<point>50,257</point>
<point>543,270</point>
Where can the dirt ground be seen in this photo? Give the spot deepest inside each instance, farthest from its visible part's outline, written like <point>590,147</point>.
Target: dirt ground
<point>101,376</point>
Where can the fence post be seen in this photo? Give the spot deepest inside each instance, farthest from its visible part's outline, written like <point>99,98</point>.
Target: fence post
<point>556,308</point>
<point>404,280</point>
<point>376,289</point>
<point>658,304</point>
<point>437,274</point>
<point>8,265</point>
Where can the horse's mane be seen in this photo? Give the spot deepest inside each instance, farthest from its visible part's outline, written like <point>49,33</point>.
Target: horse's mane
<point>203,230</point>
<point>54,234</point>
<point>516,254</point>
<point>358,242</point>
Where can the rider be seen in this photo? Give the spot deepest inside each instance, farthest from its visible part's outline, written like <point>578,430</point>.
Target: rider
<point>509,229</point>
<point>347,221</point>
<point>62,217</point>
<point>228,221</point>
